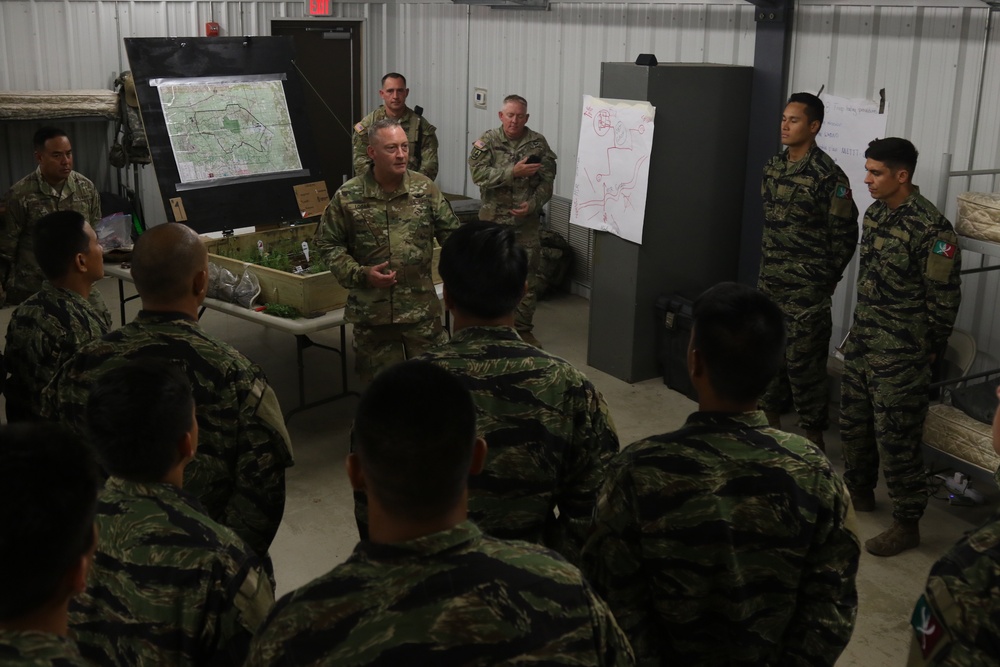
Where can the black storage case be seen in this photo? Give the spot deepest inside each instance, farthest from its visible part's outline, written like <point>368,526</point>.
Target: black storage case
<point>673,331</point>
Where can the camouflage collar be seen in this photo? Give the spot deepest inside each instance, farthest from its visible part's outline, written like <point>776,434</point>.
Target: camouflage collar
<point>68,188</point>
<point>423,547</point>
<point>728,419</point>
<point>163,316</point>
<point>493,333</point>
<point>372,190</point>
<point>162,490</point>
<point>39,646</point>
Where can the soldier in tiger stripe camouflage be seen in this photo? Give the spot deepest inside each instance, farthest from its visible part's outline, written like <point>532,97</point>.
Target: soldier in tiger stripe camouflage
<point>727,542</point>
<point>909,290</point>
<point>169,586</point>
<point>428,587</point>
<point>810,233</point>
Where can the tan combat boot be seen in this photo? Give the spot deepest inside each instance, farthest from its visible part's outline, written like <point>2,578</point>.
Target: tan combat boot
<point>816,437</point>
<point>902,535</point>
<point>773,419</point>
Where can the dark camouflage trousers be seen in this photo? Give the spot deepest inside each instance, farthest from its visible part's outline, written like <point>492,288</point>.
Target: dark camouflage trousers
<point>379,347</point>
<point>883,403</point>
<point>803,376</point>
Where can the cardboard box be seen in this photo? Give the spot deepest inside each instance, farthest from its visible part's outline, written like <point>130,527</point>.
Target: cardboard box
<point>309,292</point>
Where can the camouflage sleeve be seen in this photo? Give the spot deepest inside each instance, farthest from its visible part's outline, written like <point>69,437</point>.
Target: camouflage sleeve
<point>481,166</point>
<point>595,443</point>
<point>95,205</point>
<point>244,614</point>
<point>332,243</point>
<point>613,649</point>
<point>258,501</point>
<point>942,284</point>
<point>547,174</point>
<point>10,231</point>
<point>359,149</point>
<point>428,150</point>
<point>842,215</point>
<point>445,220</point>
<point>823,621</point>
<point>612,561</point>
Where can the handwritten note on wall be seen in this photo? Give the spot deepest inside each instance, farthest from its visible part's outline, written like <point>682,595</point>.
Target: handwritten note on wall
<point>847,129</point>
<point>612,166</point>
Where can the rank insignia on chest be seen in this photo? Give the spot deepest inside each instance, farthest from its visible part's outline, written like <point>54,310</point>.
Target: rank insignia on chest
<point>359,128</point>
<point>843,192</point>
<point>944,249</point>
<point>926,626</point>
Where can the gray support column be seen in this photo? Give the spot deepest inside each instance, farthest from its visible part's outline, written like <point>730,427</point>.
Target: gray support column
<point>770,81</point>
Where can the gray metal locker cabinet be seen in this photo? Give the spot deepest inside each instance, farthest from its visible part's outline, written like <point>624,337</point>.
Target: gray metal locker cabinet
<point>691,232</point>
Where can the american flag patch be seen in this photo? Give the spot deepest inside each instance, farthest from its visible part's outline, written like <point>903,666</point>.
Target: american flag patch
<point>478,143</point>
<point>359,128</point>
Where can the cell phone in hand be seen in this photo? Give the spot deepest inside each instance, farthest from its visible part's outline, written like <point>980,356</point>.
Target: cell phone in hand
<point>533,159</point>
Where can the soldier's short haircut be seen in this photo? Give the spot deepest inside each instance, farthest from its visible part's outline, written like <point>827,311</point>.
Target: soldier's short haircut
<point>136,415</point>
<point>815,109</point>
<point>740,334</point>
<point>515,98</point>
<point>483,269</point>
<point>894,152</point>
<point>414,432</point>
<point>44,134</point>
<point>380,125</point>
<point>59,237</point>
<point>48,497</point>
<point>165,261</point>
<point>394,75</point>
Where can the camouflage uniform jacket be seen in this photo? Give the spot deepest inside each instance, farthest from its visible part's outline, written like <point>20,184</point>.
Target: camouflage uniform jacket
<point>548,433</point>
<point>492,163</point>
<point>28,200</point>
<point>239,473</point>
<point>364,226</point>
<point>28,648</point>
<point>909,287</point>
<point>44,332</point>
<point>726,543</point>
<point>169,586</point>
<point>421,135</point>
<point>810,228</point>
<point>456,597</point>
<point>956,621</point>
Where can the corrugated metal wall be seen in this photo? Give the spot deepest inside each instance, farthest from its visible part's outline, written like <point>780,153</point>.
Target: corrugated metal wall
<point>928,60</point>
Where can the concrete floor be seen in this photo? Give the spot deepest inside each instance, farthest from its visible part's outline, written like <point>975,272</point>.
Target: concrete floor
<point>318,530</point>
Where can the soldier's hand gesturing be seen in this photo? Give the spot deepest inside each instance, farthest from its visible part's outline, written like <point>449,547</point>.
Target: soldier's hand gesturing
<point>520,210</point>
<point>379,277</point>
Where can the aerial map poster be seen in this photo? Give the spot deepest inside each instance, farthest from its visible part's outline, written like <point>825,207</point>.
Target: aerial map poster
<point>223,128</point>
<point>612,166</point>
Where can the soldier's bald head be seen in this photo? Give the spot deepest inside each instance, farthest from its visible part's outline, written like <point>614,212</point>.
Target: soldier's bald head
<point>166,260</point>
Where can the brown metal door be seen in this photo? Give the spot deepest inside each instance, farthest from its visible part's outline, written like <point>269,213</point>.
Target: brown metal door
<point>328,58</point>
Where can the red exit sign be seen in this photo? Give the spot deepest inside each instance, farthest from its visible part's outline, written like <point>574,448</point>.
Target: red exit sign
<point>320,8</point>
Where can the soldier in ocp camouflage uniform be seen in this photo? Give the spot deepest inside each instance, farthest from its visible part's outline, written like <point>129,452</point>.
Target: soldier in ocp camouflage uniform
<point>430,588</point>
<point>53,186</point>
<point>547,427</point>
<point>169,586</point>
<point>727,542</point>
<point>908,297</point>
<point>810,232</point>
<point>514,190</point>
<point>420,134</point>
<point>48,491</point>
<point>239,475</point>
<point>377,236</point>
<point>48,328</point>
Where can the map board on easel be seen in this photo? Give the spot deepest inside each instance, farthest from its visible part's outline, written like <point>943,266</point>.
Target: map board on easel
<point>226,126</point>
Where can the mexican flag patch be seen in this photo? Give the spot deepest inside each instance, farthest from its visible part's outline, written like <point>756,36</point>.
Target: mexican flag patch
<point>944,249</point>
<point>843,192</point>
<point>926,626</point>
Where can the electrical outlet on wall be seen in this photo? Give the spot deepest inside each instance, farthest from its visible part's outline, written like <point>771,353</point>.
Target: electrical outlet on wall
<point>479,98</point>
